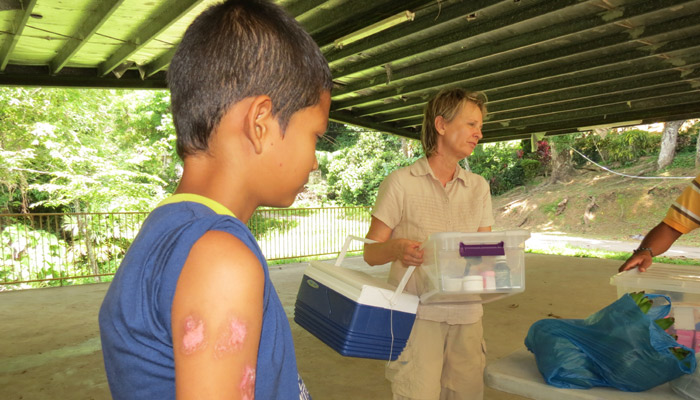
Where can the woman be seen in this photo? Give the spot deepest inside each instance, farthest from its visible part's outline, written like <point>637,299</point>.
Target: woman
<point>445,354</point>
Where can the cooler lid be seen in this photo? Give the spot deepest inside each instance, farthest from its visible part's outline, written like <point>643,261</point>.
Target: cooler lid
<point>361,287</point>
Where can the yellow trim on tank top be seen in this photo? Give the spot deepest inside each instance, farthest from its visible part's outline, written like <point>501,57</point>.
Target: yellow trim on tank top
<point>195,198</point>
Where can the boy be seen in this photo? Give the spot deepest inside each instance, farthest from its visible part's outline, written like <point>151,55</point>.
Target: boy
<point>191,311</point>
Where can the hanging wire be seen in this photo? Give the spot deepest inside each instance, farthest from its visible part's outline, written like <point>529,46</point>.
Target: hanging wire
<point>626,175</point>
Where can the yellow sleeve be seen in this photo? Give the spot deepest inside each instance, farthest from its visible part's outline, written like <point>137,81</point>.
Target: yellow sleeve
<point>684,213</point>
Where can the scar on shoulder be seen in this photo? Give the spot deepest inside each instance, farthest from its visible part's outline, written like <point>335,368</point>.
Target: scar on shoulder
<point>247,385</point>
<point>231,338</point>
<point>194,338</point>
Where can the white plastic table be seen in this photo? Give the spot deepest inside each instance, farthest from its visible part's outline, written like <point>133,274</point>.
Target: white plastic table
<point>517,374</point>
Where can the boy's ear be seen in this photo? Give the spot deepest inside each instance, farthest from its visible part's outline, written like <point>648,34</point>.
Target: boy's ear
<point>258,121</point>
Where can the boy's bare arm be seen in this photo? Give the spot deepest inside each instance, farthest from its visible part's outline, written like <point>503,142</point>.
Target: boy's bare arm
<point>387,250</point>
<point>217,319</point>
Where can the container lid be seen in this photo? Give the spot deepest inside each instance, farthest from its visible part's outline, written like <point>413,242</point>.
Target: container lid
<point>664,277</point>
<point>473,278</point>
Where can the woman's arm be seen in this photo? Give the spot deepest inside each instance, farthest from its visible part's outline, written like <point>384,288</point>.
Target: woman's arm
<point>217,319</point>
<point>388,250</point>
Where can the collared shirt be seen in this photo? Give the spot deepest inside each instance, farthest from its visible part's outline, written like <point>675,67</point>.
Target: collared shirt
<point>414,204</point>
<point>684,213</point>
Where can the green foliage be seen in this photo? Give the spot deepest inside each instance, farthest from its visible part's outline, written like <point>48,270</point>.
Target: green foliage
<point>531,168</point>
<point>687,139</point>
<point>84,150</point>
<point>262,225</point>
<point>622,146</point>
<point>682,160</point>
<point>630,145</point>
<point>338,136</point>
<point>30,254</point>
<point>353,174</point>
<point>551,208</point>
<point>499,164</point>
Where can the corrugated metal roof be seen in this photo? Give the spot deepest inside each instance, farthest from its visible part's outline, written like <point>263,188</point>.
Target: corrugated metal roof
<point>553,66</point>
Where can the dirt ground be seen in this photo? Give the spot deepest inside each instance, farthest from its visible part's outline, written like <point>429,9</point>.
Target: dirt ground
<point>51,349</point>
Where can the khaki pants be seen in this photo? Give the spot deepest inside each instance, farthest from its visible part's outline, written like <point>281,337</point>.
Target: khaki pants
<point>440,361</point>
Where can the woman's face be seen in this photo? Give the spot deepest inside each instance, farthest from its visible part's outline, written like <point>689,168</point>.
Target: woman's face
<point>460,136</point>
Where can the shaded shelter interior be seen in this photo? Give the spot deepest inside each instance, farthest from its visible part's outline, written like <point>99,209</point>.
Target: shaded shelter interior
<point>548,67</point>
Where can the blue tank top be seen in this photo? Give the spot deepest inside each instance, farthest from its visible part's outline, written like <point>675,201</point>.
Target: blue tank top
<point>134,318</point>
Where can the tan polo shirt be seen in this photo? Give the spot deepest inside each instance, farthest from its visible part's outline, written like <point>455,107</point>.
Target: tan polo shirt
<point>414,204</point>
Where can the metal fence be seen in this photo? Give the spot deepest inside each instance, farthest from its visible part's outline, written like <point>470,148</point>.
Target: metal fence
<point>38,250</point>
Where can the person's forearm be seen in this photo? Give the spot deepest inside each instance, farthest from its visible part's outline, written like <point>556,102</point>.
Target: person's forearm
<point>660,239</point>
<point>379,253</point>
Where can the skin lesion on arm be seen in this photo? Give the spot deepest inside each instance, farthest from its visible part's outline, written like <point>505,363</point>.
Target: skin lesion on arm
<point>247,386</point>
<point>232,338</point>
<point>193,338</point>
<point>216,320</point>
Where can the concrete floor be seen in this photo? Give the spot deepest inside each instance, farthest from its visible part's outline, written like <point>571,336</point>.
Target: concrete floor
<point>50,349</point>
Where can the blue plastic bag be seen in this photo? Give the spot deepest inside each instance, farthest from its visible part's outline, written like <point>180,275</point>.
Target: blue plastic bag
<point>618,346</point>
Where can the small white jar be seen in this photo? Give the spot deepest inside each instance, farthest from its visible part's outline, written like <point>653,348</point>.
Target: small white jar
<point>473,283</point>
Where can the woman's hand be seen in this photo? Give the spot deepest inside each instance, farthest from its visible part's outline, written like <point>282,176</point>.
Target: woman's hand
<point>408,252</point>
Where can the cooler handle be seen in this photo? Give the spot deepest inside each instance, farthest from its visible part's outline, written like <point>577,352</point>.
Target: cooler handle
<point>346,246</point>
<point>402,283</point>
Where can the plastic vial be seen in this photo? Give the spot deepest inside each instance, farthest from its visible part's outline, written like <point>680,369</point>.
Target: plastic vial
<point>502,273</point>
<point>489,280</point>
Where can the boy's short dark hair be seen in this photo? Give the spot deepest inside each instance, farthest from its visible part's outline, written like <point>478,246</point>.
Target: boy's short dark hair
<point>235,50</point>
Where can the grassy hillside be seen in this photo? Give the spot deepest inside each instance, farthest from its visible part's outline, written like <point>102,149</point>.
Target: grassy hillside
<point>596,203</point>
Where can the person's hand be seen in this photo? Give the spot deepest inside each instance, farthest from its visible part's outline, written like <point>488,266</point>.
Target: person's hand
<point>408,252</point>
<point>641,260</point>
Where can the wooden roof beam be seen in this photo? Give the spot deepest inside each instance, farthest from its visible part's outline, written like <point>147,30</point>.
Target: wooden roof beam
<point>556,88</point>
<point>468,78</point>
<point>19,24</point>
<point>300,8</point>
<point>19,75</point>
<point>578,98</point>
<point>468,30</point>
<point>650,110</point>
<point>547,33</point>
<point>327,24</point>
<point>165,16</point>
<point>348,118</point>
<point>425,18</point>
<point>96,18</point>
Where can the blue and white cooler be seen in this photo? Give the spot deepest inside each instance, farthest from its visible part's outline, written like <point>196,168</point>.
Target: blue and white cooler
<point>354,313</point>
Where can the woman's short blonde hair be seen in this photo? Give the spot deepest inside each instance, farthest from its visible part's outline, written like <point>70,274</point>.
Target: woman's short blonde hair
<point>446,104</point>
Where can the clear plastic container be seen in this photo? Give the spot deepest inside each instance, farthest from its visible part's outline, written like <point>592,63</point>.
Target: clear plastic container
<point>679,282</point>
<point>496,257</point>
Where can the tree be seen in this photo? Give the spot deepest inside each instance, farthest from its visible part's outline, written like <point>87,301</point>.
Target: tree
<point>695,129</point>
<point>669,139</point>
<point>87,150</point>
<point>561,164</point>
<point>354,173</point>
